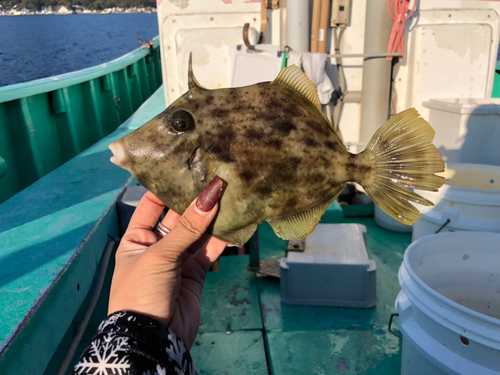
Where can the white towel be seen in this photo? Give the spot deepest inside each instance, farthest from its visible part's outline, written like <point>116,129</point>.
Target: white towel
<point>314,65</point>
<point>294,58</point>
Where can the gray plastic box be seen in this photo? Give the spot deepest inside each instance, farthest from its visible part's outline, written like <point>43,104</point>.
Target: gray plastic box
<point>333,270</point>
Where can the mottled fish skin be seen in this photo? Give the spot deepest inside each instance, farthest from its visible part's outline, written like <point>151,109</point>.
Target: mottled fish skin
<point>276,151</point>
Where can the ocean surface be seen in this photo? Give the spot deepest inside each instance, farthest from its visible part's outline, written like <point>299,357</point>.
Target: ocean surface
<point>33,47</point>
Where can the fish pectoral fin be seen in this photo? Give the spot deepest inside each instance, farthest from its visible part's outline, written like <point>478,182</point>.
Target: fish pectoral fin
<point>301,225</point>
<point>212,161</point>
<point>195,164</point>
<point>205,164</point>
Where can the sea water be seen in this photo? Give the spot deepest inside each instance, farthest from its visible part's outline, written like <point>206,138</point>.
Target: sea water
<point>33,47</point>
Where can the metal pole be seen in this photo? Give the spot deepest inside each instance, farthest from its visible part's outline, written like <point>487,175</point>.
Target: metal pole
<point>376,71</point>
<point>283,25</point>
<point>365,55</point>
<point>253,250</point>
<point>297,25</point>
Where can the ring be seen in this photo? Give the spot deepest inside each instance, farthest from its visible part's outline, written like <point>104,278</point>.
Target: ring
<point>162,230</point>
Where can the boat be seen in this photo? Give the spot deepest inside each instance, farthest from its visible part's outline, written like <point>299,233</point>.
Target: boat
<point>59,221</point>
<point>46,122</point>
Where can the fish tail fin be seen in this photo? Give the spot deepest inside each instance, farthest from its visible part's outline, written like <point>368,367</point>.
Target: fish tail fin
<point>401,156</point>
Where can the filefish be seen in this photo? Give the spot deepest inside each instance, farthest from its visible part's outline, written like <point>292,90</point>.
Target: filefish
<point>282,159</point>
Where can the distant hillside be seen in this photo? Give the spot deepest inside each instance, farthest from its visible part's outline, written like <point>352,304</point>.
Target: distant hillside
<point>89,4</point>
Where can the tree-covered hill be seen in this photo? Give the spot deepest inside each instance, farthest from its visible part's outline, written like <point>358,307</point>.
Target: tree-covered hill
<point>89,4</point>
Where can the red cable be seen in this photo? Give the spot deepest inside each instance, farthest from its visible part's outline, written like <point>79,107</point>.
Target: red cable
<point>399,15</point>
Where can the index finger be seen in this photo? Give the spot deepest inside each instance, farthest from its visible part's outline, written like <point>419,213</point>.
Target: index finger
<point>147,213</point>
<point>192,224</point>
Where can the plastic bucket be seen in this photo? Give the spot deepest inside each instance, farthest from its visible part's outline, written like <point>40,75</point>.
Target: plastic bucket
<point>387,222</point>
<point>467,129</point>
<point>468,201</point>
<point>449,306</point>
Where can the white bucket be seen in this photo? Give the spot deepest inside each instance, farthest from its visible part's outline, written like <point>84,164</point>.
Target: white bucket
<point>449,308</point>
<point>388,222</point>
<point>469,200</point>
<point>467,129</point>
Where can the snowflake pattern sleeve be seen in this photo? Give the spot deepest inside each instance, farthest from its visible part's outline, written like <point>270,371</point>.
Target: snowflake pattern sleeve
<point>134,344</point>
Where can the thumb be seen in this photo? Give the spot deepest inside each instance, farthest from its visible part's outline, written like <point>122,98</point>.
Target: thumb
<point>193,222</point>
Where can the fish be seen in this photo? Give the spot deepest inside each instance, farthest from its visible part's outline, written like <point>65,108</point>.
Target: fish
<point>282,159</point>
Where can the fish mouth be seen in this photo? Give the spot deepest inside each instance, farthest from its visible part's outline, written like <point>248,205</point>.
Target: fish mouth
<point>190,159</point>
<point>118,153</point>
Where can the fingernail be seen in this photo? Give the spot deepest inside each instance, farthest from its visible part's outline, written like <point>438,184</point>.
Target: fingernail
<point>209,196</point>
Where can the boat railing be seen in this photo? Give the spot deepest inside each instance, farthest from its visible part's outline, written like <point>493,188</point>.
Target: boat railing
<point>46,122</point>
<point>52,237</point>
<point>496,82</point>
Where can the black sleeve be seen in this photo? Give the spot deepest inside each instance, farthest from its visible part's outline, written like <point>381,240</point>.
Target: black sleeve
<point>131,343</point>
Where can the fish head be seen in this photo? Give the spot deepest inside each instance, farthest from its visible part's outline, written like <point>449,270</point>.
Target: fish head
<point>164,155</point>
<point>169,154</point>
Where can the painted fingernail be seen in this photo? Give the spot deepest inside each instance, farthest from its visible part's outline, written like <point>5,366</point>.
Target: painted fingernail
<point>209,196</point>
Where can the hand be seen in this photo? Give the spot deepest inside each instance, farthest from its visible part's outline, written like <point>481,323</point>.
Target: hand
<point>161,277</point>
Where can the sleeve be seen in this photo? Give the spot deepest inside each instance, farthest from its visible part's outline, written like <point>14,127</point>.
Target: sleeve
<point>134,344</point>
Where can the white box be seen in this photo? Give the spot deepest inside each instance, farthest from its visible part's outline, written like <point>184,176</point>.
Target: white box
<point>208,29</point>
<point>333,270</point>
<point>467,130</point>
<point>450,52</point>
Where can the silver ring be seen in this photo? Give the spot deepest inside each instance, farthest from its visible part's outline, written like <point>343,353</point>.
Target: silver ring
<point>162,230</point>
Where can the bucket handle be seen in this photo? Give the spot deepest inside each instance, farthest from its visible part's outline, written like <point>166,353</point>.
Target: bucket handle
<point>390,324</point>
<point>442,226</point>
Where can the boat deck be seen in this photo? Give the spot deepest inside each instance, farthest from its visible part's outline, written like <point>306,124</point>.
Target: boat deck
<point>53,235</point>
<point>247,330</point>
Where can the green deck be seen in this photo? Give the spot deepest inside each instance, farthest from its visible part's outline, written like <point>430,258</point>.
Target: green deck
<point>300,339</point>
<point>53,234</point>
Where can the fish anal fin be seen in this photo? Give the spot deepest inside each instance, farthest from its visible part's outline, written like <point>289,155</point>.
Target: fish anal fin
<point>302,224</point>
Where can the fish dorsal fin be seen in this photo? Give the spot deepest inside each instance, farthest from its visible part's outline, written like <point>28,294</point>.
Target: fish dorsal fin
<point>192,81</point>
<point>302,225</point>
<point>295,79</point>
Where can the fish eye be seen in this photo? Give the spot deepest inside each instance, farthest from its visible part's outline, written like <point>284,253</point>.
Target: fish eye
<point>182,121</point>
